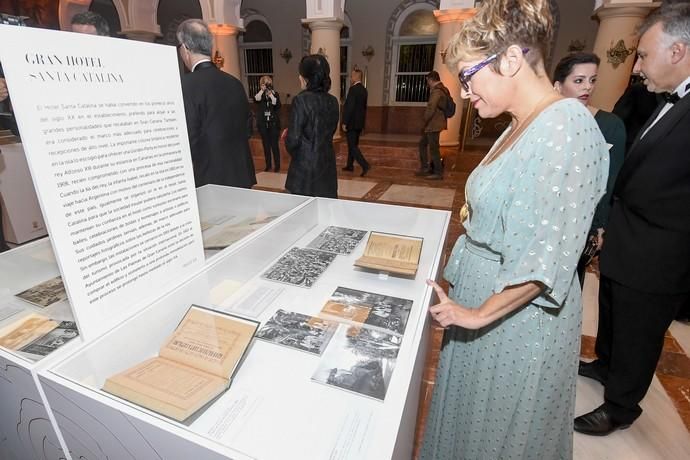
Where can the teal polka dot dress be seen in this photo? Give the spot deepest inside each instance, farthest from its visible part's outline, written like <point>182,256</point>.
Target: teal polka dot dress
<point>507,391</point>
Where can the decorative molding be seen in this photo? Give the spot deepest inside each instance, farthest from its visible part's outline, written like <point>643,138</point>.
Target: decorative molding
<point>577,46</point>
<point>618,53</point>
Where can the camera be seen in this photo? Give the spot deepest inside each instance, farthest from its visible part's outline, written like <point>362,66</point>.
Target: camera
<point>269,87</point>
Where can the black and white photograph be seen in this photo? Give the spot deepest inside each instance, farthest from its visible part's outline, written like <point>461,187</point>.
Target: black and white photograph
<point>360,360</point>
<point>45,294</point>
<point>46,344</point>
<point>296,330</point>
<point>385,313</point>
<point>300,267</point>
<point>340,240</point>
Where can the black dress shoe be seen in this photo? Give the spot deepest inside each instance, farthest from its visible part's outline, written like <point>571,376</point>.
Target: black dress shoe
<point>365,170</point>
<point>599,422</point>
<point>267,168</point>
<point>276,169</point>
<point>348,168</point>
<point>591,371</point>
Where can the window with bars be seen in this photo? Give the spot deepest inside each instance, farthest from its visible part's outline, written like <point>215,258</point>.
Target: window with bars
<point>257,62</point>
<point>414,62</point>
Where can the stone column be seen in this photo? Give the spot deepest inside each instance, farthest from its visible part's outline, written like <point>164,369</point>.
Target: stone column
<point>449,21</point>
<point>616,45</point>
<point>225,42</point>
<point>325,39</point>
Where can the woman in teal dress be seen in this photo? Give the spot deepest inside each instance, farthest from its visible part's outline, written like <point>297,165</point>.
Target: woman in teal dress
<point>505,385</point>
<point>576,76</point>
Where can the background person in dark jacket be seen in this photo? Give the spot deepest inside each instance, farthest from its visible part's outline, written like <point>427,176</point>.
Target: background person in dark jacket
<point>268,121</point>
<point>309,139</point>
<point>354,117</point>
<point>217,109</point>
<point>434,123</point>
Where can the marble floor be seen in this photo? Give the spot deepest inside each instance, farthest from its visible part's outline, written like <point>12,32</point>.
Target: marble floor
<point>663,430</point>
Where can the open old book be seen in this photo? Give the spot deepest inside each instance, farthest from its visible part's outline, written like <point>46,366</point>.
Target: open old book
<point>195,364</point>
<point>391,253</point>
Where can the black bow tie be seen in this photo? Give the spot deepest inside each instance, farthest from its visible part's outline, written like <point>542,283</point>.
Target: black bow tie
<point>671,98</point>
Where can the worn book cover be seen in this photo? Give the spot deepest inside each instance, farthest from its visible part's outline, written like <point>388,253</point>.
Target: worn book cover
<point>339,240</point>
<point>369,309</point>
<point>45,294</point>
<point>296,330</point>
<point>391,253</point>
<point>195,364</point>
<point>300,267</point>
<point>360,360</point>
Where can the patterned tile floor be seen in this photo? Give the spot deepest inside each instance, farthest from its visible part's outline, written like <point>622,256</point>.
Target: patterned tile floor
<point>663,430</point>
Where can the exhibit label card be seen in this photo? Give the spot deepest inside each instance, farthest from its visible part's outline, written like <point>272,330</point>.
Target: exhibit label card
<point>103,126</point>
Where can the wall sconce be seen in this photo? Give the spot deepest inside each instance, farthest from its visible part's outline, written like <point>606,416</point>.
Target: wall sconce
<point>443,54</point>
<point>286,54</point>
<point>218,60</point>
<point>368,52</point>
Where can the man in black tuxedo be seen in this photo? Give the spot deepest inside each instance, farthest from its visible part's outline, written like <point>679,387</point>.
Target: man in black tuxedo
<point>217,110</point>
<point>645,259</point>
<point>354,116</point>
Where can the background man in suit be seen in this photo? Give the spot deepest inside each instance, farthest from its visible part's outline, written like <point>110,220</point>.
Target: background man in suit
<point>354,117</point>
<point>217,109</point>
<point>645,259</point>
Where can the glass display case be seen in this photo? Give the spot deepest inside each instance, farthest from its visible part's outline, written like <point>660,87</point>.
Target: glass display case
<point>32,269</point>
<point>283,402</point>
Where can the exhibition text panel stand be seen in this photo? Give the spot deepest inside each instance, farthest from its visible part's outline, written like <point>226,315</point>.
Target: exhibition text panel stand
<point>285,400</point>
<point>107,146</point>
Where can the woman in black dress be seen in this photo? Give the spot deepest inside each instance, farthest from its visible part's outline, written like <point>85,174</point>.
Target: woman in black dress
<point>309,139</point>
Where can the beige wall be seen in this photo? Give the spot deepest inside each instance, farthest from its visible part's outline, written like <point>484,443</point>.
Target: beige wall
<point>369,20</point>
<point>576,24</point>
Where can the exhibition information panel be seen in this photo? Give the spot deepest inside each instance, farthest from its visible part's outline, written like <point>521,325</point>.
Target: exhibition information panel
<point>103,125</point>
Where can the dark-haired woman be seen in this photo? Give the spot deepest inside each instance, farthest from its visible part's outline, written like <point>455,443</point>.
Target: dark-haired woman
<point>309,141</point>
<point>575,76</point>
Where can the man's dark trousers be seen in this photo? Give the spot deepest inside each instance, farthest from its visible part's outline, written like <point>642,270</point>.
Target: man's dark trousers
<point>430,142</point>
<point>353,151</point>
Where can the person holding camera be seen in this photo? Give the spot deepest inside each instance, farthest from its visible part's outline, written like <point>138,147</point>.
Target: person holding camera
<point>268,121</point>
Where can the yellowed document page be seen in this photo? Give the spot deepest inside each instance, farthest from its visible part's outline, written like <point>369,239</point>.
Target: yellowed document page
<point>397,254</point>
<point>166,387</point>
<point>209,341</point>
<point>25,331</point>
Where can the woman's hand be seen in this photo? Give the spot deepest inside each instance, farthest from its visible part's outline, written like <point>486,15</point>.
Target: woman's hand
<point>283,134</point>
<point>448,313</point>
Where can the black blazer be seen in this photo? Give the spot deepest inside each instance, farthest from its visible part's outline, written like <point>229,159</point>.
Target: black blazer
<point>355,108</point>
<point>313,121</point>
<point>217,110</point>
<point>647,241</point>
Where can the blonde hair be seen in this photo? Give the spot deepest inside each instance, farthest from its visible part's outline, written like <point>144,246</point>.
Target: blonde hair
<point>265,79</point>
<point>499,24</point>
